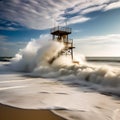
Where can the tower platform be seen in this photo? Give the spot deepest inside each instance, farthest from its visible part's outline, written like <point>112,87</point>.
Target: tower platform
<point>61,30</point>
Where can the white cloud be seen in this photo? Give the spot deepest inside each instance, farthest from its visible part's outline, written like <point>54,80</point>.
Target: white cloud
<point>112,6</point>
<point>107,45</point>
<point>88,5</point>
<point>39,14</point>
<point>92,9</point>
<point>34,14</point>
<point>78,19</point>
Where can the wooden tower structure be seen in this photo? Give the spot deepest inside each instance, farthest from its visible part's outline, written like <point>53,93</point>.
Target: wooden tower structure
<point>60,34</point>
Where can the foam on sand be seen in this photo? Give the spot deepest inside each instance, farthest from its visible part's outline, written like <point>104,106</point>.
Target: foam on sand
<point>38,93</point>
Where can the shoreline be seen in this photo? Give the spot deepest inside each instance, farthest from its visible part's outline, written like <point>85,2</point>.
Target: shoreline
<point>13,113</point>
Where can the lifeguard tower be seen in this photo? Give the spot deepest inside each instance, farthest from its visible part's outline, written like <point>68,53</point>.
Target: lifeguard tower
<point>61,35</point>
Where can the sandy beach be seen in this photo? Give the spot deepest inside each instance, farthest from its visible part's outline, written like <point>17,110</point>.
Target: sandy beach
<point>12,113</point>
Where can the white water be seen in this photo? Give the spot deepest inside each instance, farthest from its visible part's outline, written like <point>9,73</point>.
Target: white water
<point>35,57</point>
<point>74,88</point>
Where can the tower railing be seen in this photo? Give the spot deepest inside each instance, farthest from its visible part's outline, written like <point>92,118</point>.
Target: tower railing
<point>59,28</point>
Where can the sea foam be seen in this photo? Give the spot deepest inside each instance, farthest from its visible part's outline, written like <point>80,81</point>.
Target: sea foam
<point>34,59</point>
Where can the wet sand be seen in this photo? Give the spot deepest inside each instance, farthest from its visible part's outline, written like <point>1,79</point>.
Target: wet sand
<point>11,113</point>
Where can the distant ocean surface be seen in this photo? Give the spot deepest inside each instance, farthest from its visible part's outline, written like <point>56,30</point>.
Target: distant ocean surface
<point>5,59</point>
<point>109,59</point>
<point>112,61</point>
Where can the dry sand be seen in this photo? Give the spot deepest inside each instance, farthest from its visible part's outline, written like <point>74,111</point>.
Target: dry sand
<point>11,113</point>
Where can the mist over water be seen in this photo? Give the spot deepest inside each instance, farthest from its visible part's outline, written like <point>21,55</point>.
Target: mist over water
<point>34,60</point>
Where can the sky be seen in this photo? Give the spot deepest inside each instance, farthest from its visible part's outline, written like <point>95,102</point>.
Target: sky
<point>95,24</point>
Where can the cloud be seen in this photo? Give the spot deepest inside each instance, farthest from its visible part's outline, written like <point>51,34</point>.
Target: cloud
<point>8,48</point>
<point>8,28</point>
<point>92,9</point>
<point>89,6</point>
<point>41,14</point>
<point>107,45</point>
<point>33,14</point>
<point>78,19</point>
<point>112,6</point>
<point>9,25</point>
<point>2,38</point>
<point>95,5</point>
<point>100,39</point>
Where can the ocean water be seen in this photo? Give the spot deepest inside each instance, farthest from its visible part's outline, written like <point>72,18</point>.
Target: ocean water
<point>88,89</point>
